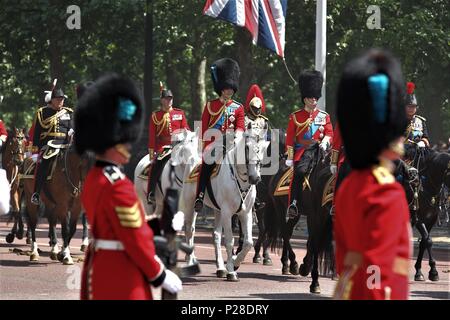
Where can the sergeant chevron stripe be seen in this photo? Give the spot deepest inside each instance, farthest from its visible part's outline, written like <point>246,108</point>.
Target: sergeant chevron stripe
<point>129,217</point>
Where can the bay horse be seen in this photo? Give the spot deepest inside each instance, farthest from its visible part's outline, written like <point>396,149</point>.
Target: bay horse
<point>12,160</point>
<point>61,197</point>
<point>316,205</point>
<point>433,174</point>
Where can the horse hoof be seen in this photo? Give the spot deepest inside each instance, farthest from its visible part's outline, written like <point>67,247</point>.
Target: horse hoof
<point>19,235</point>
<point>68,261</point>
<point>232,277</point>
<point>221,273</point>
<point>10,238</point>
<point>28,241</point>
<point>83,248</point>
<point>256,259</point>
<point>293,268</point>
<point>419,277</point>
<point>34,257</point>
<point>285,270</point>
<point>303,271</point>
<point>53,256</point>
<point>433,276</point>
<point>314,289</point>
<point>60,257</point>
<point>267,262</point>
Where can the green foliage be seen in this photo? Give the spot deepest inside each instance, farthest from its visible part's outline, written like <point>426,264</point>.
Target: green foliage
<point>34,39</point>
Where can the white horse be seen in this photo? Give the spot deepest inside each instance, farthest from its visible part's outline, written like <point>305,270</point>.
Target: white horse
<point>184,156</point>
<point>234,191</point>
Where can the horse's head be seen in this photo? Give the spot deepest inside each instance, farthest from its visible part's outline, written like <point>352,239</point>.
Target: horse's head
<point>15,147</point>
<point>256,145</point>
<point>185,145</point>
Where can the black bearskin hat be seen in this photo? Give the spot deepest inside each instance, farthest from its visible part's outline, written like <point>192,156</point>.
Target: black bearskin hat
<point>109,112</point>
<point>370,106</point>
<point>410,96</point>
<point>225,75</point>
<point>81,88</point>
<point>310,84</point>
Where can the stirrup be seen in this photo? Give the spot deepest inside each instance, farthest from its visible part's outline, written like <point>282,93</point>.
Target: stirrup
<point>35,199</point>
<point>151,198</point>
<point>260,205</point>
<point>293,210</point>
<point>198,205</point>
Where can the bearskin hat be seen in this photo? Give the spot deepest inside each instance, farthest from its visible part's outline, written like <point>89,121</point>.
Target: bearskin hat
<point>410,96</point>
<point>370,106</point>
<point>81,88</point>
<point>255,98</point>
<point>225,75</point>
<point>310,84</point>
<point>109,112</point>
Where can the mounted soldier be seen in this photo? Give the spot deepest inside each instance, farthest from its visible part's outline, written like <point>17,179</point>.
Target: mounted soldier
<point>163,124</point>
<point>121,262</point>
<point>53,128</point>
<point>224,115</point>
<point>417,131</point>
<point>306,128</point>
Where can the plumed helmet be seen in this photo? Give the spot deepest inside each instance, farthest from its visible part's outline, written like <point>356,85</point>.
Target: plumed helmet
<point>58,93</point>
<point>110,112</point>
<point>225,75</point>
<point>370,106</point>
<point>310,84</point>
<point>410,96</point>
<point>255,99</point>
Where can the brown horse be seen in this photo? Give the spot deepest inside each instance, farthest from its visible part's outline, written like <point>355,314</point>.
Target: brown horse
<point>61,197</point>
<point>12,159</point>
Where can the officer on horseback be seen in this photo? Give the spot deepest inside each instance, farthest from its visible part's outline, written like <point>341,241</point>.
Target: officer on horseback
<point>121,262</point>
<point>417,129</point>
<point>52,123</point>
<point>223,114</point>
<point>306,128</point>
<point>163,124</point>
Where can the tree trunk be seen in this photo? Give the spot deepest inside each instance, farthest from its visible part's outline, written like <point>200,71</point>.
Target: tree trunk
<point>198,88</point>
<point>244,44</point>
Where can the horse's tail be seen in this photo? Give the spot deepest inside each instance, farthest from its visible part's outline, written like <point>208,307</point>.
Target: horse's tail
<point>275,221</point>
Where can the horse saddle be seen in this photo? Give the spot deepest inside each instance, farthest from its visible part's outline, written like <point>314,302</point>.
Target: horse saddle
<point>195,173</point>
<point>29,167</point>
<point>284,183</point>
<point>167,151</point>
<point>52,148</point>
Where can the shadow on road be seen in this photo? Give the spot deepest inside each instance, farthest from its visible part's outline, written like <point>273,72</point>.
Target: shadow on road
<point>442,295</point>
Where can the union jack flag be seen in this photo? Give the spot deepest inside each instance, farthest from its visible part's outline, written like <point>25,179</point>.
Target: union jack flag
<point>265,19</point>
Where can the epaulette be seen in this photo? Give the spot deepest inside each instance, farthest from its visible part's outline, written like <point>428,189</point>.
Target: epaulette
<point>264,117</point>
<point>238,103</point>
<point>68,109</point>
<point>323,111</point>
<point>420,117</point>
<point>296,112</point>
<point>113,174</point>
<point>383,175</point>
<point>177,109</point>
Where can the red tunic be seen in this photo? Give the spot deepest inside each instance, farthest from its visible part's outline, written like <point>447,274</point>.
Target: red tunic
<point>337,147</point>
<point>372,233</point>
<point>3,131</point>
<point>162,125</point>
<point>115,213</point>
<point>304,128</point>
<point>222,117</point>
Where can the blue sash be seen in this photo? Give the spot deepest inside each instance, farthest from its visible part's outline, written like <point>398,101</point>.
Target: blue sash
<point>228,110</point>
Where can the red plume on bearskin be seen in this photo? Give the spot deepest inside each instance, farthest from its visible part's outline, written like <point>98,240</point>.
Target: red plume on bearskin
<point>410,86</point>
<point>255,91</point>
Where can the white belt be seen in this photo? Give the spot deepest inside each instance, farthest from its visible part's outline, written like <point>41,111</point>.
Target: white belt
<point>100,244</point>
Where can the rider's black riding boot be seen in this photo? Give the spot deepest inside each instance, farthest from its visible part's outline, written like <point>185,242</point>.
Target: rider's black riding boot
<point>296,194</point>
<point>41,175</point>
<point>154,174</point>
<point>205,173</point>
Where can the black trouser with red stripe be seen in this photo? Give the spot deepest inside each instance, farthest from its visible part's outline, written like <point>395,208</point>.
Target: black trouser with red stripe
<point>301,168</point>
<point>41,172</point>
<point>205,174</point>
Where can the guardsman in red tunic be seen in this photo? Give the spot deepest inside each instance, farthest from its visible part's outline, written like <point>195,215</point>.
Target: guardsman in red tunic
<point>163,124</point>
<point>3,133</point>
<point>371,226</point>
<point>306,127</point>
<point>224,115</point>
<point>120,262</point>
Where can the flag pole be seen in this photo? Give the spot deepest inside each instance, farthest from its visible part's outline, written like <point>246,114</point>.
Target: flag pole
<point>321,45</point>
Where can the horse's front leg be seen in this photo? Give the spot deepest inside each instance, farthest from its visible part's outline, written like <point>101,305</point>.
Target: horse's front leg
<point>221,271</point>
<point>64,255</point>
<point>247,225</point>
<point>52,236</point>
<point>433,275</point>
<point>229,243</point>
<point>422,246</point>
<point>315,287</point>
<point>186,205</point>
<point>32,222</point>
<point>85,241</point>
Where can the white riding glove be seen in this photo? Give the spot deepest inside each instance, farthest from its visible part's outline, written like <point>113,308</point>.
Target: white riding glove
<point>71,132</point>
<point>178,221</point>
<point>1,143</point>
<point>421,144</point>
<point>333,169</point>
<point>172,282</point>
<point>324,146</point>
<point>34,157</point>
<point>289,163</point>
